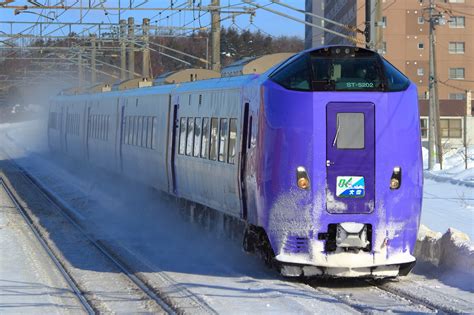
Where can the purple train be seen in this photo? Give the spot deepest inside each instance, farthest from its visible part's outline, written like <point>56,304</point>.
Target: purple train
<point>320,157</point>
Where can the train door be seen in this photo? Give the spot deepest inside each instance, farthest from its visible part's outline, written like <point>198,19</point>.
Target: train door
<point>243,162</point>
<point>172,152</point>
<point>350,157</point>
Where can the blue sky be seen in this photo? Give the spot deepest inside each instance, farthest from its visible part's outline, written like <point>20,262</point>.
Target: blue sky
<point>265,21</point>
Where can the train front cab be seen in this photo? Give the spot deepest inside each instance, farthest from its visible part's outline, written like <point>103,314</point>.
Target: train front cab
<point>340,168</point>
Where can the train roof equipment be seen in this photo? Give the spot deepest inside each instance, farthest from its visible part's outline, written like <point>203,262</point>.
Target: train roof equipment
<point>186,75</point>
<point>254,65</point>
<point>101,87</point>
<point>132,84</point>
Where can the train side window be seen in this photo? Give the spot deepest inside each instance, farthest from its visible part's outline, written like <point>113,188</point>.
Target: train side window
<point>94,126</point>
<point>135,131</point>
<point>145,132</point>
<point>182,136</point>
<point>205,138</point>
<point>249,135</point>
<point>197,136</point>
<point>103,123</point>
<point>107,128</point>
<point>97,129</point>
<point>223,139</point>
<point>150,132</point>
<point>232,140</point>
<point>97,126</point>
<point>189,137</point>
<point>153,133</point>
<point>295,76</point>
<point>396,81</point>
<point>214,127</point>
<point>124,131</point>
<point>129,130</point>
<point>101,127</point>
<point>140,131</point>
<point>132,128</point>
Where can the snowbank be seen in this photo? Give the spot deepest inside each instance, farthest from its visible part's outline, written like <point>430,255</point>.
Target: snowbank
<point>454,168</point>
<point>453,250</point>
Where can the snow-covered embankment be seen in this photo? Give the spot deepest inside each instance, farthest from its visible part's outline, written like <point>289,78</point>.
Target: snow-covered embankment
<point>452,250</point>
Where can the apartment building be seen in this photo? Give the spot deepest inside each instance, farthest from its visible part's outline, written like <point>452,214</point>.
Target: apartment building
<point>406,45</point>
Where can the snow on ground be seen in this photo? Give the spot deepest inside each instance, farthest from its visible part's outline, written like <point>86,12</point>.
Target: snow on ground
<point>29,280</point>
<point>448,199</point>
<point>454,165</point>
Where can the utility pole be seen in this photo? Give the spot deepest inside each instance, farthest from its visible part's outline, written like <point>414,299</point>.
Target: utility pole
<point>81,69</point>
<point>434,135</point>
<point>373,24</point>
<point>131,47</point>
<point>467,115</point>
<point>146,48</point>
<point>93,56</point>
<point>378,38</point>
<point>216,36</point>
<point>123,50</point>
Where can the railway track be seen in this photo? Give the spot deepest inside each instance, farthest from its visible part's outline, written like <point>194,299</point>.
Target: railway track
<point>367,296</point>
<point>61,209</point>
<point>44,244</point>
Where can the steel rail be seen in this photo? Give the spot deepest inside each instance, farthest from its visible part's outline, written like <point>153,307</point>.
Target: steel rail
<point>64,211</point>
<point>70,281</point>
<point>436,307</point>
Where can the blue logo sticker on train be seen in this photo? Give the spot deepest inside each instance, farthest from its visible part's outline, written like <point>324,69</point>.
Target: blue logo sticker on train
<point>350,186</point>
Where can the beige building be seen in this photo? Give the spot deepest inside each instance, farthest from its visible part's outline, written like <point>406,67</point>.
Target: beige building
<point>406,39</point>
<point>406,44</point>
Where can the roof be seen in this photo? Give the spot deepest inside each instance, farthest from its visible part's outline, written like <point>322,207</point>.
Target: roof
<point>186,75</point>
<point>254,65</point>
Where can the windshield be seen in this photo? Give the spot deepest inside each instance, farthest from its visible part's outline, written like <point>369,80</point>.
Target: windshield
<point>340,69</point>
<point>346,73</point>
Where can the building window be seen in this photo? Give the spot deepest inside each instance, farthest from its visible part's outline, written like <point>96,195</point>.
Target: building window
<point>451,128</point>
<point>384,21</point>
<point>421,20</point>
<point>456,73</point>
<point>423,95</point>
<point>420,72</point>
<point>384,48</point>
<point>424,127</point>
<point>457,22</point>
<point>456,47</point>
<point>421,46</point>
<point>457,96</point>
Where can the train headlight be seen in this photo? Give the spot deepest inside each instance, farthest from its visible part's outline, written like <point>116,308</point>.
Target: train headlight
<point>396,179</point>
<point>302,179</point>
<point>394,183</point>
